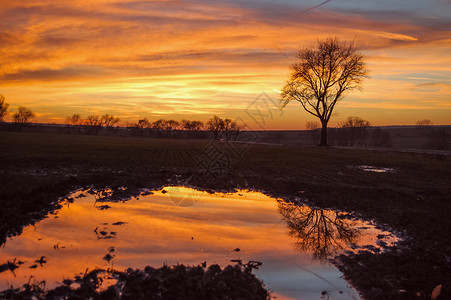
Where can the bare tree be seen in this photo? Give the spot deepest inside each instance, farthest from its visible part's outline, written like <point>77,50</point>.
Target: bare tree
<point>321,231</point>
<point>75,120</point>
<point>108,121</point>
<point>140,127</point>
<point>23,116</point>
<point>216,125</point>
<point>311,125</point>
<point>322,76</point>
<point>354,130</point>
<point>172,125</point>
<point>192,125</point>
<point>3,108</point>
<point>143,123</point>
<point>159,124</point>
<point>236,130</point>
<point>229,125</point>
<point>92,124</point>
<point>424,122</point>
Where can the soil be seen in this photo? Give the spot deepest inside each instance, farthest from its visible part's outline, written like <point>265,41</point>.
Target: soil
<point>36,170</point>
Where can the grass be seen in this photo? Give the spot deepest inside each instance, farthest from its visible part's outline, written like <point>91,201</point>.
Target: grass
<point>36,169</point>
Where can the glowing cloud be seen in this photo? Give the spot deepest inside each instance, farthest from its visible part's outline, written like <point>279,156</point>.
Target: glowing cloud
<point>194,59</point>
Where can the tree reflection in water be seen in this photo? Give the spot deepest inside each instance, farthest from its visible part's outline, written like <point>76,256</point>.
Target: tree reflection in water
<point>320,231</point>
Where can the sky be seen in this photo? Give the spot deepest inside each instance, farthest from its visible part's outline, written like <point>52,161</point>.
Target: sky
<point>195,59</point>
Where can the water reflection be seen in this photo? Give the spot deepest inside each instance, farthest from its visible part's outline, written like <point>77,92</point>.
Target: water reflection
<point>322,232</point>
<point>375,169</point>
<point>220,228</point>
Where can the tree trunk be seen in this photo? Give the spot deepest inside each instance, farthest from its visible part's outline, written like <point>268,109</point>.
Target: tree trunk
<point>323,142</point>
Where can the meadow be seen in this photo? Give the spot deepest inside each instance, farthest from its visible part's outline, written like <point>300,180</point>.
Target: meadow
<point>411,198</point>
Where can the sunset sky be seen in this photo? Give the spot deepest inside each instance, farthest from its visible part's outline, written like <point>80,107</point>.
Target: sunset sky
<point>194,59</point>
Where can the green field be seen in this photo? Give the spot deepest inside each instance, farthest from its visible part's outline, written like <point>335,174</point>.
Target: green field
<point>36,169</point>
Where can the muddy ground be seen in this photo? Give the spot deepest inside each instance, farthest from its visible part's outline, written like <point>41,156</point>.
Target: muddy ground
<point>413,198</point>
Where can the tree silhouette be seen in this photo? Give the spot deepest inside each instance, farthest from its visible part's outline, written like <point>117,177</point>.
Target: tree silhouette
<point>143,123</point>
<point>75,120</point>
<point>192,125</point>
<point>92,124</point>
<point>229,126</point>
<point>159,124</point>
<point>3,108</point>
<point>216,125</point>
<point>23,116</point>
<point>424,122</point>
<point>321,231</point>
<point>172,125</point>
<point>108,121</point>
<point>322,76</point>
<point>354,129</point>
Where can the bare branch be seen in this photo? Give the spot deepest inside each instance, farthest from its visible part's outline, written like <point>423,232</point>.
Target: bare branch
<point>321,77</point>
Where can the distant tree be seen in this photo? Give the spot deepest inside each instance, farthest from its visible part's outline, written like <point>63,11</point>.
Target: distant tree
<point>140,127</point>
<point>185,124</point>
<point>322,76</point>
<point>312,125</point>
<point>355,130</point>
<point>159,124</point>
<point>75,120</point>
<point>354,122</point>
<point>93,121</point>
<point>92,124</point>
<point>236,130</point>
<point>438,136</point>
<point>231,129</point>
<point>192,125</point>
<point>227,128</point>
<point>23,116</point>
<point>425,128</point>
<point>424,122</point>
<point>215,125</point>
<point>108,121</point>
<point>197,125</point>
<point>165,127</point>
<point>3,108</point>
<point>172,125</point>
<point>143,123</point>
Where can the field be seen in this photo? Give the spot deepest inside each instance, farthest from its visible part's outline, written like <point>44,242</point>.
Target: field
<point>413,198</point>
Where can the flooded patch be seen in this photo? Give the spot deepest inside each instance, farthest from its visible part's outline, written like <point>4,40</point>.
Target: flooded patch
<point>182,225</point>
<point>375,169</point>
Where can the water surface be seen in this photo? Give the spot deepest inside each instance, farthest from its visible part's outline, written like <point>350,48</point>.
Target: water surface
<point>292,242</point>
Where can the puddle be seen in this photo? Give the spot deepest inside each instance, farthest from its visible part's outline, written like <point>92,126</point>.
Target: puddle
<point>291,241</point>
<point>375,169</point>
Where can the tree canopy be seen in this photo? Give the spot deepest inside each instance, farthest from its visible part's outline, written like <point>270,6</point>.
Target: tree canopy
<point>321,77</point>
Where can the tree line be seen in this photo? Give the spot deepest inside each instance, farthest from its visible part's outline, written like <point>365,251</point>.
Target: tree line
<point>222,129</point>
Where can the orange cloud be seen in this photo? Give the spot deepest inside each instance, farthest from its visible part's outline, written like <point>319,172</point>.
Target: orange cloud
<point>195,59</point>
